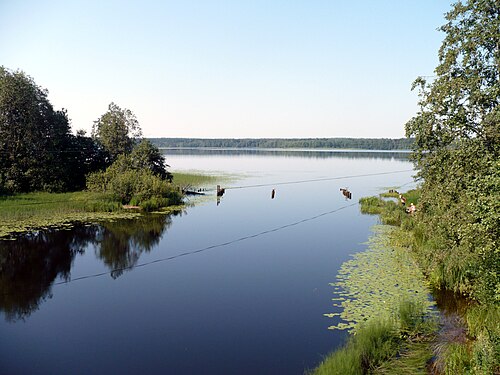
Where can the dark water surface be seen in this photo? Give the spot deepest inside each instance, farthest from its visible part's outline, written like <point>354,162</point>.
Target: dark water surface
<point>253,305</point>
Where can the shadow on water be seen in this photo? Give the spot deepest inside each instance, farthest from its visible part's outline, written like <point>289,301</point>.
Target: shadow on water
<point>30,265</point>
<point>120,244</point>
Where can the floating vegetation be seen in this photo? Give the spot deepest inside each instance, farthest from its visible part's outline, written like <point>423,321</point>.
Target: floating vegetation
<point>374,282</point>
<point>9,228</point>
<point>32,212</point>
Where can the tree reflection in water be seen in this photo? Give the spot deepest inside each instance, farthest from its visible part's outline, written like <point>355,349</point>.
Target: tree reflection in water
<point>30,264</point>
<point>120,244</point>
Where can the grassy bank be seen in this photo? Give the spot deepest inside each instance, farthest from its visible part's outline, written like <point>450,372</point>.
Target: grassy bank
<point>385,345</point>
<point>381,296</point>
<point>35,211</point>
<point>478,350</point>
<point>25,212</point>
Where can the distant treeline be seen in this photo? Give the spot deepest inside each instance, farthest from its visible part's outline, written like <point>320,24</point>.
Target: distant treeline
<point>326,143</point>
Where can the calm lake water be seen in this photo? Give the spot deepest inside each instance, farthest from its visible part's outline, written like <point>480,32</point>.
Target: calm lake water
<point>238,287</point>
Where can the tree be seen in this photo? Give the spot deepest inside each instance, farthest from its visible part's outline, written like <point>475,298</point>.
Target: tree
<point>85,156</point>
<point>33,136</point>
<point>457,150</point>
<point>117,130</point>
<point>148,156</point>
<point>461,102</point>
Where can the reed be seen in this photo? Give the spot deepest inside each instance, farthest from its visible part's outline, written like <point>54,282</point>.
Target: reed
<point>195,179</point>
<point>31,211</point>
<point>373,343</point>
<point>396,345</point>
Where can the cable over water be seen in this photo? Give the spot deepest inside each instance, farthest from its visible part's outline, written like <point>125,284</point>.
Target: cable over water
<point>222,244</point>
<point>317,179</point>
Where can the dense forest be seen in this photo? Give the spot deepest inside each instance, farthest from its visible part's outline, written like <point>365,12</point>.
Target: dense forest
<point>321,143</point>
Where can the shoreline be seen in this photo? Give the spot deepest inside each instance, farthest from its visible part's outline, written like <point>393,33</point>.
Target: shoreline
<point>32,212</point>
<point>458,339</point>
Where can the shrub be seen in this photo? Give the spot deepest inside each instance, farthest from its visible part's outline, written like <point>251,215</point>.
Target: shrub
<point>136,186</point>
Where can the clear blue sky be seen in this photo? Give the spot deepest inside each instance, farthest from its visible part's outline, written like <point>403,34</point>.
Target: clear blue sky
<point>205,68</point>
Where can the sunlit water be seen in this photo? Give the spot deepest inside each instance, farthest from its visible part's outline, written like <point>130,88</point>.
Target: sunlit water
<point>253,305</point>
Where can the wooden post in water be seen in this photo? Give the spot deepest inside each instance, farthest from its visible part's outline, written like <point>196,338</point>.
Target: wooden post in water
<point>220,191</point>
<point>272,194</point>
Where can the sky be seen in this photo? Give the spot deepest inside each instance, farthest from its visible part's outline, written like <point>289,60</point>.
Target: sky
<point>229,69</point>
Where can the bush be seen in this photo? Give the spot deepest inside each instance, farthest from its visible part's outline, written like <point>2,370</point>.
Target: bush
<point>139,187</point>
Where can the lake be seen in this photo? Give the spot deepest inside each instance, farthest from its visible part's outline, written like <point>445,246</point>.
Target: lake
<point>237,286</point>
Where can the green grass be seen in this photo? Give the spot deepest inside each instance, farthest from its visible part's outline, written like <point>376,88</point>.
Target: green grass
<point>397,345</point>
<point>480,353</point>
<point>373,343</point>
<point>25,212</point>
<point>412,359</point>
<point>391,212</point>
<point>483,324</point>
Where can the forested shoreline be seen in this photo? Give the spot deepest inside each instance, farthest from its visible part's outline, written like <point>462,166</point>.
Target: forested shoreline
<point>307,143</point>
<point>454,234</point>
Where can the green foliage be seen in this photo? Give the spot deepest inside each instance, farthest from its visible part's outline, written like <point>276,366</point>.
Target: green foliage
<point>128,184</point>
<point>482,354</point>
<point>483,323</point>
<point>117,130</point>
<point>411,315</point>
<point>371,205</point>
<point>147,156</point>
<point>38,151</point>
<point>457,152</point>
<point>483,317</point>
<point>391,211</point>
<point>412,359</point>
<point>32,136</point>
<point>467,90</point>
<point>486,354</point>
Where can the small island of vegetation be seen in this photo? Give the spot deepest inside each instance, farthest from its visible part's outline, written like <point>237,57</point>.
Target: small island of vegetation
<point>51,177</point>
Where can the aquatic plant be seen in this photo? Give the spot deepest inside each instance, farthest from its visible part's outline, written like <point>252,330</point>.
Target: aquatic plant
<point>375,281</point>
